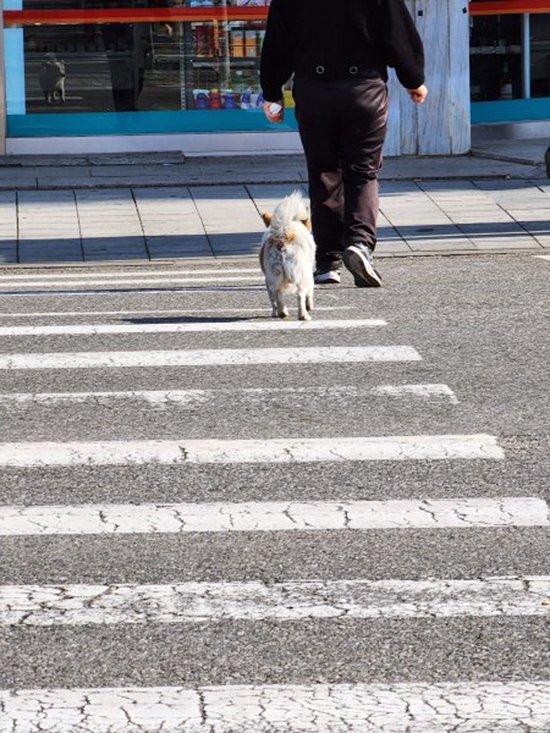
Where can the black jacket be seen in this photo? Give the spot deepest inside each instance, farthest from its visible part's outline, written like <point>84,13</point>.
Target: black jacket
<point>324,39</point>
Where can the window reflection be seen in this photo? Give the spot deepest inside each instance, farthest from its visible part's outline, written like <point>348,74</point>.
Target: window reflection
<point>540,55</point>
<point>124,67</point>
<point>495,57</point>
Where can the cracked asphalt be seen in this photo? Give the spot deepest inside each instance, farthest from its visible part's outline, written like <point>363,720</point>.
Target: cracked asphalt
<point>480,324</point>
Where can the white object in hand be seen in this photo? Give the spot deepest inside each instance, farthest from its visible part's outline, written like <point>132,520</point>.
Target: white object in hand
<point>275,109</point>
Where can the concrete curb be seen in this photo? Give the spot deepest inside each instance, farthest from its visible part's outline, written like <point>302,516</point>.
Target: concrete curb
<point>539,172</point>
<point>506,158</point>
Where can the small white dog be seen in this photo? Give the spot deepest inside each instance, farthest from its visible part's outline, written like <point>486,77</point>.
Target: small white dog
<point>287,256</point>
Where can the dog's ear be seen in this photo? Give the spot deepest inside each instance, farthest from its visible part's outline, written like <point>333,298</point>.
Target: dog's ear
<point>267,218</point>
<point>307,223</point>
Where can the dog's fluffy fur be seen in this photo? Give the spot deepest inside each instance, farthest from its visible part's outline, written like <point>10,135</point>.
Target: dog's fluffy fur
<point>287,256</point>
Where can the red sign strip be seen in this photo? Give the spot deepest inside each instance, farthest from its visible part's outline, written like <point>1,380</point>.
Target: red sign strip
<point>132,15</point>
<point>507,7</point>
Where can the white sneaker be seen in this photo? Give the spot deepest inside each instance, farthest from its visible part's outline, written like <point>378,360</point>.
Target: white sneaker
<point>359,261</point>
<point>327,277</point>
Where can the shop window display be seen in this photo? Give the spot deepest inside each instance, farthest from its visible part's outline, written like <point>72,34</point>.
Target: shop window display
<point>495,57</point>
<point>171,63</point>
<point>540,55</point>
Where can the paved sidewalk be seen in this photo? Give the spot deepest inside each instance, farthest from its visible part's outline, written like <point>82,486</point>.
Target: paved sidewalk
<point>153,170</point>
<point>162,206</point>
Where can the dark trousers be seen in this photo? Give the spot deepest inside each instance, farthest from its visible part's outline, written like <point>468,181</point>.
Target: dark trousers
<point>343,127</point>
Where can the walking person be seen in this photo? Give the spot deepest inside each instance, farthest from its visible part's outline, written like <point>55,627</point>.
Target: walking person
<point>339,54</point>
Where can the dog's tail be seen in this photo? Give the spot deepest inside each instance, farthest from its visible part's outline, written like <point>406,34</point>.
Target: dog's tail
<point>292,208</point>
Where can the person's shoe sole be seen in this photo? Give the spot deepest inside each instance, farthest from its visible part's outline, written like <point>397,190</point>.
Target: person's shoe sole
<point>363,272</point>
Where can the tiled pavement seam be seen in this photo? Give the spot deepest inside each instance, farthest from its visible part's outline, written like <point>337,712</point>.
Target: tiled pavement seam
<point>478,217</point>
<point>417,217</point>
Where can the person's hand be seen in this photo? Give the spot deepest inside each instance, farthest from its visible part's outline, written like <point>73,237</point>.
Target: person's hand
<point>418,95</point>
<point>274,111</point>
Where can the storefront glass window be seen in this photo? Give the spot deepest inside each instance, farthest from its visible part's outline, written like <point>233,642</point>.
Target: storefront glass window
<point>495,57</point>
<point>191,65</point>
<point>540,55</point>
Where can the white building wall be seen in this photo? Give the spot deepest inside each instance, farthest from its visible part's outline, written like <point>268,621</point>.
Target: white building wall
<point>442,125</point>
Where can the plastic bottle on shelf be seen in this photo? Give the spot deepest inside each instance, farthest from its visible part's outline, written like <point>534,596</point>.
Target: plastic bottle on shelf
<point>246,99</point>
<point>201,100</point>
<point>229,100</point>
<point>289,99</point>
<point>215,99</point>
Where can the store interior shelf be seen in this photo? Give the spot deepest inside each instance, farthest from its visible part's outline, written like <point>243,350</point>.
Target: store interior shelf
<point>494,50</point>
<point>216,61</point>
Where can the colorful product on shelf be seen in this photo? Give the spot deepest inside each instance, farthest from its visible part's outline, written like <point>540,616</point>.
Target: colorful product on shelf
<point>237,43</point>
<point>250,44</point>
<point>218,82</point>
<point>215,99</point>
<point>289,99</point>
<point>229,100</point>
<point>246,99</point>
<point>200,98</point>
<point>204,40</point>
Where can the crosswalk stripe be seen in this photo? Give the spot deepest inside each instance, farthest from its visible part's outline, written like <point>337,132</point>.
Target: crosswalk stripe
<point>152,288</point>
<point>339,708</point>
<point>154,312</point>
<point>89,329</point>
<point>172,452</point>
<point>193,397</point>
<point>191,602</point>
<point>134,281</point>
<point>273,516</point>
<point>118,274</point>
<point>308,708</point>
<point>210,357</point>
<point>417,390</point>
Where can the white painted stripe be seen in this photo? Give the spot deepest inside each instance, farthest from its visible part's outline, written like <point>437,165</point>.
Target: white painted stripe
<point>210,357</point>
<point>418,390</point>
<point>172,452</point>
<point>198,289</point>
<point>117,274</point>
<point>88,329</point>
<point>153,312</point>
<point>133,281</point>
<point>543,257</point>
<point>272,516</point>
<point>195,397</point>
<point>468,707</point>
<point>192,602</point>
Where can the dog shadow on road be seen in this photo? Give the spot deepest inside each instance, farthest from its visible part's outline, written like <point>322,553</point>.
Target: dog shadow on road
<point>197,319</point>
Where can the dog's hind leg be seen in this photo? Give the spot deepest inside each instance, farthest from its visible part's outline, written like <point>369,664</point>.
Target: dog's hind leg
<point>282,310</point>
<point>309,301</point>
<point>309,296</point>
<point>273,301</point>
<point>303,297</point>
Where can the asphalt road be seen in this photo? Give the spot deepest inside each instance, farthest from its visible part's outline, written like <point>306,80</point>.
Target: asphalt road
<point>480,325</point>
